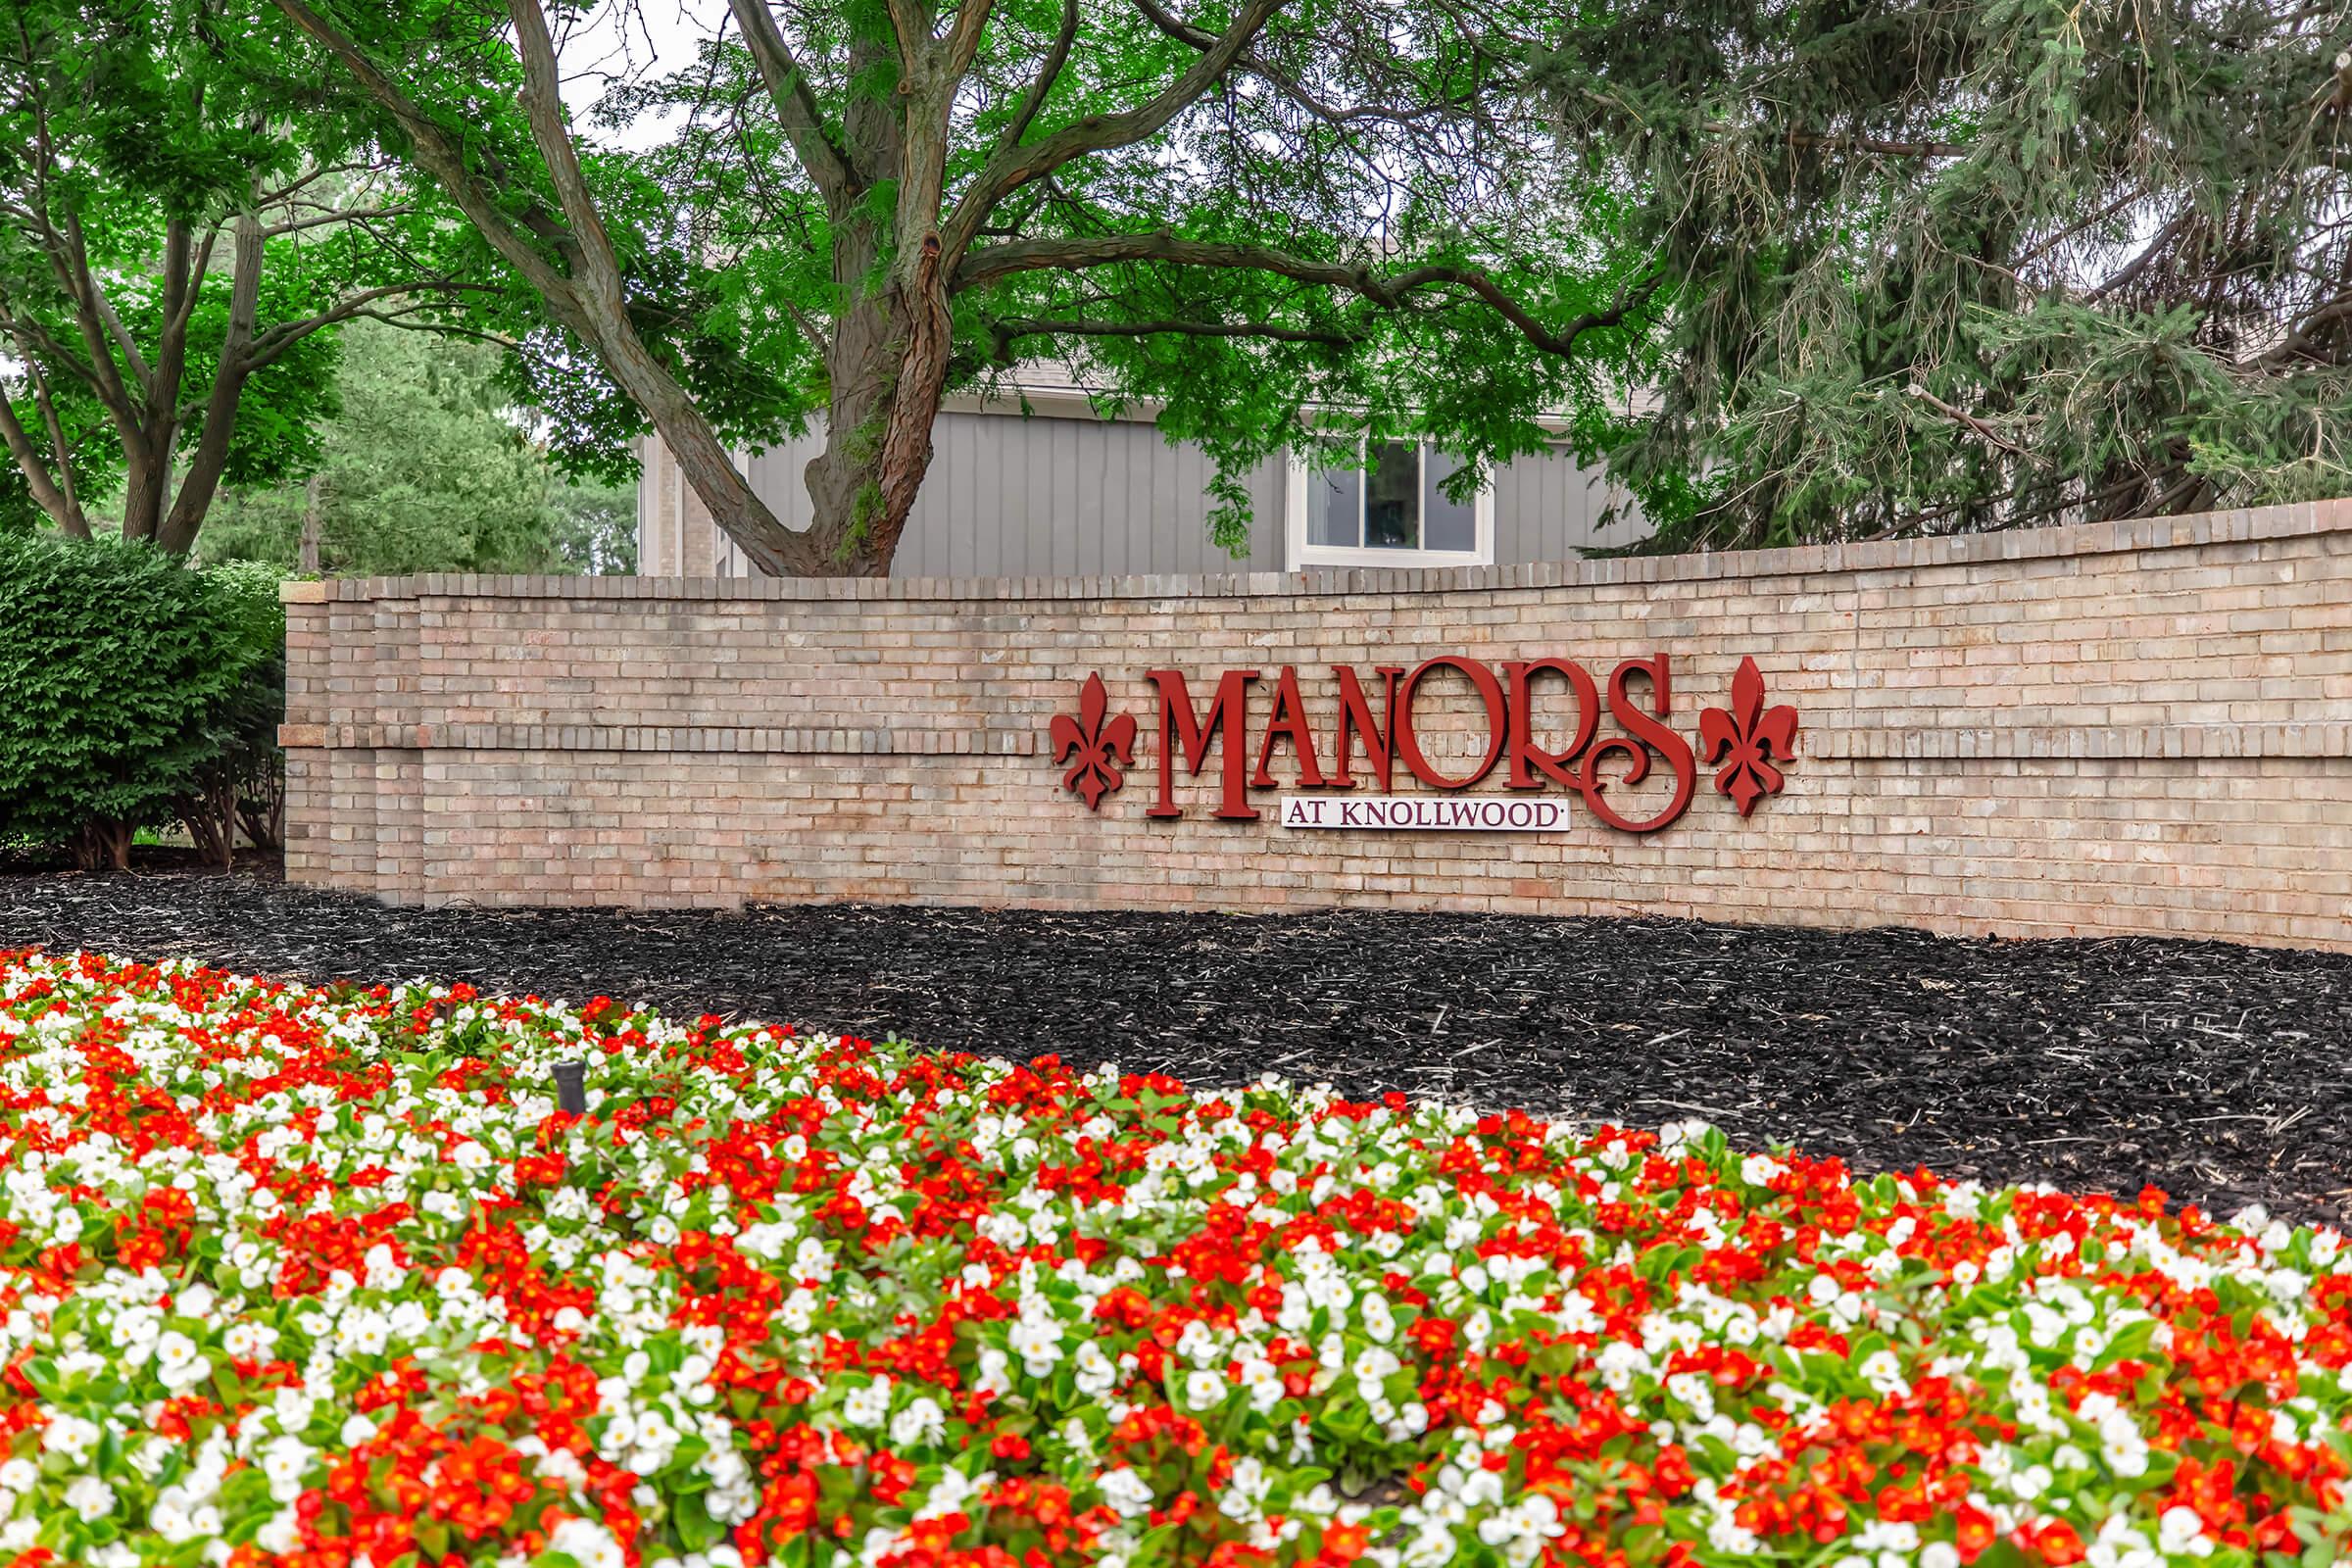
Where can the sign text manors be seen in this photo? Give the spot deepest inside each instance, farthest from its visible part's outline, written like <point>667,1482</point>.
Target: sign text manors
<point>1624,728</point>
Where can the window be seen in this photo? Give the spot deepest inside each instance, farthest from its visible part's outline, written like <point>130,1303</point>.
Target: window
<point>1392,513</point>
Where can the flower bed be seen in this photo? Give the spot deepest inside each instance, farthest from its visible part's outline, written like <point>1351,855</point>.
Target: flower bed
<point>325,1277</point>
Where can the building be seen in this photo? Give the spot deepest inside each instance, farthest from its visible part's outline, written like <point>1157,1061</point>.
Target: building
<point>1037,483</point>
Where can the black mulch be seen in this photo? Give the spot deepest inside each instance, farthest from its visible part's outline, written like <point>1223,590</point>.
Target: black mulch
<point>2217,1072</point>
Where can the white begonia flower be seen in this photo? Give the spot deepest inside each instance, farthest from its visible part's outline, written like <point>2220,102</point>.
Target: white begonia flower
<point>1097,1373</point>
<point>1262,1382</point>
<point>1203,1391</point>
<point>91,1499</point>
<point>867,1403</point>
<point>922,1421</point>
<point>586,1542</point>
<point>2179,1531</point>
<point>1522,1529</point>
<point>281,1537</point>
<point>1376,1363</point>
<point>72,1436</point>
<point>1126,1491</point>
<point>1037,1341</point>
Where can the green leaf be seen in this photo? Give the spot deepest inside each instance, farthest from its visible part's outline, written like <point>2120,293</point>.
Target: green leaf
<point>697,1529</point>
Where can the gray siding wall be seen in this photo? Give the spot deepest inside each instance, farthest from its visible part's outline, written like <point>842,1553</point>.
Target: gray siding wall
<point>1050,495</point>
<point>1039,496</point>
<point>1548,508</point>
<point>1046,497</point>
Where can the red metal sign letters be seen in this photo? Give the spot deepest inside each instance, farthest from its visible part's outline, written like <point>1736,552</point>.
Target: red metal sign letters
<point>1748,739</point>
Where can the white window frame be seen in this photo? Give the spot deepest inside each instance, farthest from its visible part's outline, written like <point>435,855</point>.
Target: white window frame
<point>1304,555</point>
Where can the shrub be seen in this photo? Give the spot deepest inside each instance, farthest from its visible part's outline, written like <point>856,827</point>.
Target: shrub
<point>242,785</point>
<point>130,688</point>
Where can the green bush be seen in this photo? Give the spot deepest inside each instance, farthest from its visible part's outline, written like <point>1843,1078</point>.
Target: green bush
<point>133,691</point>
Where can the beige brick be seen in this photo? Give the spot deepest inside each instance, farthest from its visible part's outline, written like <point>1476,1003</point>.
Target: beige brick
<point>2115,728</point>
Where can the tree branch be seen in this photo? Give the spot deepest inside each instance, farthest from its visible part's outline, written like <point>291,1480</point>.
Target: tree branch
<point>1871,144</point>
<point>2130,195</point>
<point>179,295</point>
<point>1962,416</point>
<point>909,31</point>
<point>596,314</point>
<point>287,192</point>
<point>543,107</point>
<point>404,320</point>
<point>2124,276</point>
<point>1387,291</point>
<point>808,330</point>
<point>963,38</point>
<point>2302,339</point>
<point>445,160</point>
<point>1042,82</point>
<point>58,354</point>
<point>1006,331</point>
<point>161,384</point>
<point>797,110</point>
<point>1290,88</point>
<point>342,216</point>
<point>196,275</point>
<point>61,450</point>
<point>267,348</point>
<point>1014,167</point>
<point>99,326</point>
<point>38,479</point>
<point>211,457</point>
<point>53,493</point>
<point>104,380</point>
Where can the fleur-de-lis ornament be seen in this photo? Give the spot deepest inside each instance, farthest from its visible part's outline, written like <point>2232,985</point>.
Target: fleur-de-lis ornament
<point>1747,738</point>
<point>1099,747</point>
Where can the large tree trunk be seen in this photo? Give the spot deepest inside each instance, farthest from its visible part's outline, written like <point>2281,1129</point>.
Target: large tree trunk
<point>889,365</point>
<point>146,479</point>
<point>888,360</point>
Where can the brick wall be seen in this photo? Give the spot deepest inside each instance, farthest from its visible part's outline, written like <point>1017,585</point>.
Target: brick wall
<point>2135,727</point>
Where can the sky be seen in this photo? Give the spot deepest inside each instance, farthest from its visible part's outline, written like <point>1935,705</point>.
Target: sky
<point>633,38</point>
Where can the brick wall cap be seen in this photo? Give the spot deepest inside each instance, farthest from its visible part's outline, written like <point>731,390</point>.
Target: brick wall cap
<point>1888,554</point>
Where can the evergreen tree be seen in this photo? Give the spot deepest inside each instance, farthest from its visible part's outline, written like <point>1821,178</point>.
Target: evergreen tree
<point>596,527</point>
<point>1946,267</point>
<point>425,468</point>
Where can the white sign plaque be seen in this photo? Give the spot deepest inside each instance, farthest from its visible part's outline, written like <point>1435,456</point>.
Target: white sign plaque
<point>1460,813</point>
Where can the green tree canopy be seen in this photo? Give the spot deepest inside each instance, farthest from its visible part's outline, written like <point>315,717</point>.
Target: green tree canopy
<point>424,468</point>
<point>596,527</point>
<point>1956,266</point>
<point>1266,215</point>
<point>178,236</point>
